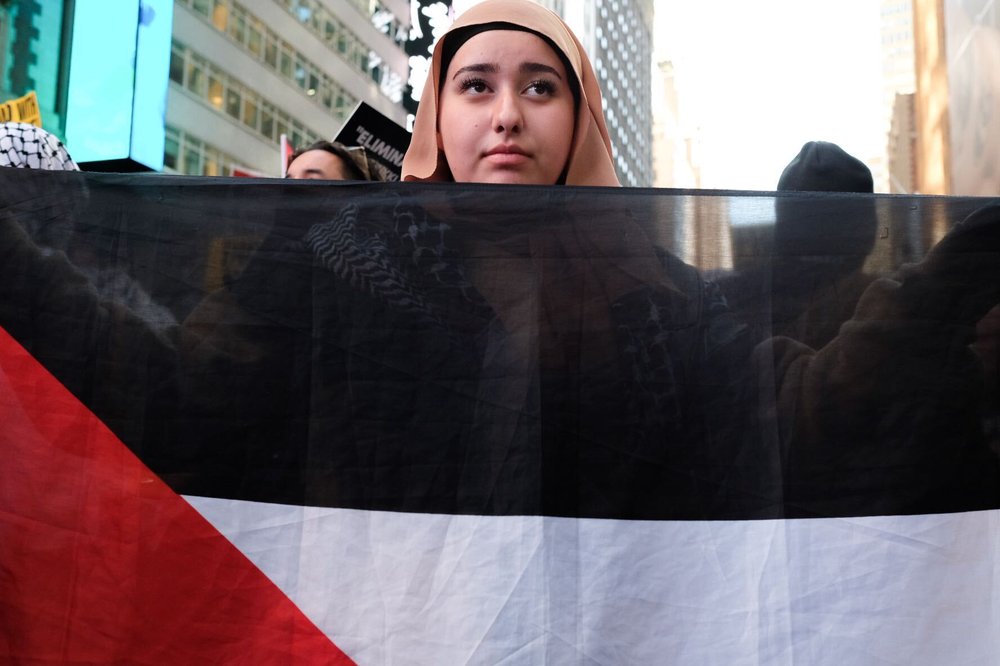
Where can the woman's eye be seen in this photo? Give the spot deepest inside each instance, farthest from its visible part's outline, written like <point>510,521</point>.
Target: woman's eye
<point>540,88</point>
<point>474,85</point>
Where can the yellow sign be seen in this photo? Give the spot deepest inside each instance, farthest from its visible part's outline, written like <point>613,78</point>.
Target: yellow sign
<point>23,109</point>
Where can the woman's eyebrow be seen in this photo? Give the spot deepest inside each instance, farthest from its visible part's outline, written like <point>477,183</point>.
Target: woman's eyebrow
<point>481,68</point>
<point>493,68</point>
<point>538,68</point>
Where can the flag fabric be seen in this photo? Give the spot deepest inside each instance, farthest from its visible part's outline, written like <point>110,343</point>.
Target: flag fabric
<point>384,423</point>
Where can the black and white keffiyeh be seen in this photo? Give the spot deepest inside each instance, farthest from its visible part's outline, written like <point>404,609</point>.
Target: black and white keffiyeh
<point>25,146</point>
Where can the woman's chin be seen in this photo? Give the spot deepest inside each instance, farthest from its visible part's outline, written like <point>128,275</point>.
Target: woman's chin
<point>510,177</point>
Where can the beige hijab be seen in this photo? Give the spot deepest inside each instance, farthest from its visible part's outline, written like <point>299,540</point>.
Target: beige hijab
<point>590,159</point>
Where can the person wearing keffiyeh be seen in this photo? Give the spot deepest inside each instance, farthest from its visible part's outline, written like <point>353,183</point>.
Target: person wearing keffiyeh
<point>25,146</point>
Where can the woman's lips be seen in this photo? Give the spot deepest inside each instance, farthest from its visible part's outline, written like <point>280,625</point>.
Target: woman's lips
<point>507,156</point>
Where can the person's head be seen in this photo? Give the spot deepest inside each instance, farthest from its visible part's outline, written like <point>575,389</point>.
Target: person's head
<point>822,166</point>
<point>510,98</point>
<point>325,160</point>
<point>45,212</point>
<point>25,146</point>
<point>834,227</point>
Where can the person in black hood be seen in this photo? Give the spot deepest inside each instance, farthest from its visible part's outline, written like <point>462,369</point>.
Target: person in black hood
<point>812,281</point>
<point>825,167</point>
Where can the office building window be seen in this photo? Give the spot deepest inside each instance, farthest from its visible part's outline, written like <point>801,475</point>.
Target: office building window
<point>220,15</point>
<point>255,39</point>
<point>171,149</point>
<point>176,66</point>
<point>215,91</point>
<point>233,103</point>
<point>189,155</point>
<point>267,122</point>
<point>196,76</point>
<point>203,7</point>
<point>271,53</point>
<point>238,27</point>
<point>237,101</point>
<point>250,113</point>
<point>192,157</point>
<point>249,31</point>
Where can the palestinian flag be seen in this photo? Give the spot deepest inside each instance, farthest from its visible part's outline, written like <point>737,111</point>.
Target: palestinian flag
<point>258,421</point>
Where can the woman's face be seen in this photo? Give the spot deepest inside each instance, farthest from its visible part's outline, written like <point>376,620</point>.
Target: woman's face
<point>507,111</point>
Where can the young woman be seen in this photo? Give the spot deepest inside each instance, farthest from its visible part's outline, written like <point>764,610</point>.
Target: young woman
<point>601,332</point>
<point>511,98</point>
<point>655,345</point>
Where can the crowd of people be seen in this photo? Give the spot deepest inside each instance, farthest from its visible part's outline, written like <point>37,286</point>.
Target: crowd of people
<point>512,98</point>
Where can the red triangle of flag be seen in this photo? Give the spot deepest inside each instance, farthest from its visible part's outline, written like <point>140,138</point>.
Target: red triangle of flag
<point>101,562</point>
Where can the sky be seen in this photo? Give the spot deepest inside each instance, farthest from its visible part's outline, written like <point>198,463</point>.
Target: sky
<point>760,78</point>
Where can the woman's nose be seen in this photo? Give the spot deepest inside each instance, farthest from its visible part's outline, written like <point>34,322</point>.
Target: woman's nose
<point>507,116</point>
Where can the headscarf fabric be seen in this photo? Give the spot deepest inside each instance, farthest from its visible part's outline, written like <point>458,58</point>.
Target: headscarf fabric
<point>591,161</point>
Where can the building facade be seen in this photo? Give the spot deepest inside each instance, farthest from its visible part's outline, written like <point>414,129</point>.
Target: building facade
<point>618,37</point>
<point>957,63</point>
<point>675,150</point>
<point>902,146</point>
<point>898,79</point>
<point>242,75</point>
